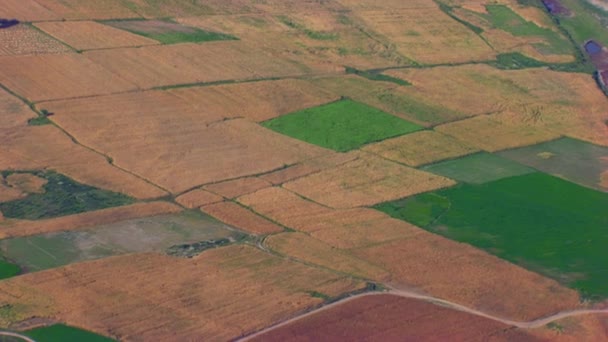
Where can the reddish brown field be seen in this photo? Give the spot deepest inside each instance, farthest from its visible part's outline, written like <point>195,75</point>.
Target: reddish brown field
<point>194,63</point>
<point>47,77</point>
<point>26,10</point>
<point>221,294</point>
<point>462,274</point>
<point>241,218</point>
<point>238,187</point>
<point>87,35</point>
<point>197,198</point>
<point>16,228</point>
<point>390,318</point>
<point>78,9</point>
<point>15,113</point>
<point>574,329</point>
<point>365,181</point>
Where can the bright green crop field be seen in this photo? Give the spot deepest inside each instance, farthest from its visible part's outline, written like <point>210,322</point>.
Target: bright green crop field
<point>64,333</point>
<point>342,126</point>
<point>538,221</point>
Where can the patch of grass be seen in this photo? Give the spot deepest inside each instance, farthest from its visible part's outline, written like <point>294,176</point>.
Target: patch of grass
<point>64,333</point>
<point>585,23</point>
<point>317,35</point>
<point>448,10</point>
<point>39,121</point>
<point>316,294</point>
<point>8,269</point>
<point>515,60</point>
<point>194,35</point>
<point>341,126</point>
<point>542,222</point>
<point>377,76</point>
<point>478,168</point>
<point>61,196</point>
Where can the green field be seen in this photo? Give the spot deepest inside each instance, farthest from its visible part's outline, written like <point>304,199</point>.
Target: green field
<point>61,196</point>
<point>8,269</point>
<point>180,34</point>
<point>341,126</point>
<point>538,221</point>
<point>64,333</point>
<point>149,234</point>
<point>478,168</point>
<point>575,160</point>
<point>587,22</point>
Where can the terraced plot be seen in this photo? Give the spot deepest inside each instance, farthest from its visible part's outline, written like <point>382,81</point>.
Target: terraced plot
<point>547,224</point>
<point>341,126</point>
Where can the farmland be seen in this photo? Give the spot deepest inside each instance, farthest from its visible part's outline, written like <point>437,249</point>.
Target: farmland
<point>212,170</point>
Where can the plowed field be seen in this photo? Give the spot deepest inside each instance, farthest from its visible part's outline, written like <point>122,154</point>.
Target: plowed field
<point>25,40</point>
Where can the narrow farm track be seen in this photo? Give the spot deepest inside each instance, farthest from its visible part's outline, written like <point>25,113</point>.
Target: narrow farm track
<point>437,301</point>
<point>12,334</point>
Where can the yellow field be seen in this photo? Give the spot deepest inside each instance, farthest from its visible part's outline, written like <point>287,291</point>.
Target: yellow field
<point>238,187</point>
<point>420,148</point>
<point>197,198</point>
<point>368,180</point>
<point>241,218</point>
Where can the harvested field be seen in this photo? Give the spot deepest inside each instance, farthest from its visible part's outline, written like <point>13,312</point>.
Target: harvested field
<point>197,198</point>
<point>40,147</point>
<point>574,160</point>
<point>78,9</point>
<point>183,143</point>
<point>427,35</point>
<point>491,134</point>
<point>19,228</point>
<point>88,35</point>
<point>168,32</point>
<point>15,113</point>
<point>478,168</point>
<point>178,303</point>
<point>149,234</point>
<point>26,10</point>
<point>25,40</point>
<point>313,251</point>
<point>420,148</point>
<point>365,181</point>
<point>241,218</point>
<point>573,329</point>
<point>15,186</point>
<point>389,318</point>
<point>344,229</point>
<point>541,222</point>
<point>192,63</point>
<point>47,77</point>
<point>341,126</point>
<point>257,101</point>
<point>307,167</point>
<point>433,264</point>
<point>238,187</point>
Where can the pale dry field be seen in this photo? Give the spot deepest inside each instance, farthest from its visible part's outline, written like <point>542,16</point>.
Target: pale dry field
<point>25,40</point>
<point>237,187</point>
<point>88,35</point>
<point>420,148</point>
<point>197,198</point>
<point>88,9</point>
<point>241,218</point>
<point>365,181</point>
<point>27,10</point>
<point>221,294</point>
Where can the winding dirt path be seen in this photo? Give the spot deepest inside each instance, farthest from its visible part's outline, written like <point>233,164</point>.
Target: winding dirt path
<point>410,294</point>
<point>12,334</point>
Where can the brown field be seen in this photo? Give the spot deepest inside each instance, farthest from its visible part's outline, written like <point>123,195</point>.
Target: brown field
<point>463,274</point>
<point>390,318</point>
<point>237,187</point>
<point>367,180</point>
<point>313,251</point>
<point>349,228</point>
<point>157,297</point>
<point>241,218</point>
<point>198,198</point>
<point>47,77</point>
<point>87,35</point>
<point>17,228</point>
<point>420,148</point>
<point>25,40</point>
<point>565,103</point>
<point>15,113</point>
<point>257,101</point>
<point>427,35</point>
<point>196,63</point>
<point>39,147</point>
<point>8,193</point>
<point>26,182</point>
<point>490,133</point>
<point>307,167</point>
<point>201,147</point>
<point>78,9</point>
<point>573,329</point>
<point>26,10</point>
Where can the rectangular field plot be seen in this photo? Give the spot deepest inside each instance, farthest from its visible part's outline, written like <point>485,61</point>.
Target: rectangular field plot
<point>572,159</point>
<point>365,181</point>
<point>25,40</point>
<point>541,222</point>
<point>168,32</point>
<point>60,332</point>
<point>156,233</point>
<point>341,126</point>
<point>87,35</point>
<point>78,9</point>
<point>420,148</point>
<point>478,168</point>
